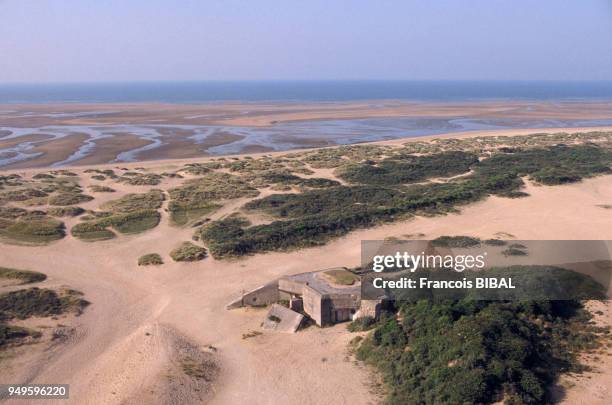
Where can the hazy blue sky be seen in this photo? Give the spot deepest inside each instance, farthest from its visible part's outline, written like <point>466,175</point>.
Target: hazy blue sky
<point>91,40</point>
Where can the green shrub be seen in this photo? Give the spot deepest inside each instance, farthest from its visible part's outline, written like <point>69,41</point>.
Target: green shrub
<point>315,216</point>
<point>495,242</point>
<point>150,259</point>
<point>69,199</point>
<point>23,276</point>
<point>129,223</point>
<point>141,179</point>
<point>361,324</point>
<point>409,168</point>
<point>101,189</point>
<point>150,200</point>
<point>459,352</point>
<point>456,241</point>
<point>15,335</point>
<point>91,232</point>
<point>34,301</point>
<point>66,211</point>
<point>35,230</point>
<point>188,252</point>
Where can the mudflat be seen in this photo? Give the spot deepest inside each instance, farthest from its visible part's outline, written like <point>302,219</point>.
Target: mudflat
<point>141,132</point>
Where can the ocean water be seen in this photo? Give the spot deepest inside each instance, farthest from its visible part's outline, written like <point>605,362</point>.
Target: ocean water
<point>298,91</point>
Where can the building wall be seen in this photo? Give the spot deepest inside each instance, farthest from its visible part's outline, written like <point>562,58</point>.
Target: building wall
<point>312,301</point>
<point>264,295</point>
<point>291,286</point>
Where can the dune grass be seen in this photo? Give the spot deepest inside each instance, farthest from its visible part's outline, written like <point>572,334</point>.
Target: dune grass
<point>188,252</point>
<point>130,214</point>
<point>456,241</point>
<point>101,189</point>
<point>69,211</point>
<point>22,276</point>
<point>129,223</point>
<point>150,259</point>
<point>140,179</point>
<point>35,230</point>
<point>15,335</point>
<point>182,215</point>
<point>132,202</point>
<point>313,217</point>
<point>22,304</point>
<point>91,232</point>
<point>69,199</point>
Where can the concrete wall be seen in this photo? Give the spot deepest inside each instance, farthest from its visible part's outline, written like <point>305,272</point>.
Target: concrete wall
<point>264,295</point>
<point>291,286</point>
<point>282,319</point>
<point>312,305</point>
<point>369,308</point>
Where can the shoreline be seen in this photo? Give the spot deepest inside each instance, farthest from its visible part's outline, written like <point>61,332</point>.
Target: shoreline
<point>157,163</point>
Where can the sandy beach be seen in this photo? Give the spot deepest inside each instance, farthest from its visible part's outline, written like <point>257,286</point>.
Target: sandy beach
<point>122,350</point>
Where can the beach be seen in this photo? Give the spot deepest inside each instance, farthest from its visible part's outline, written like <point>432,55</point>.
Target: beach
<point>123,345</point>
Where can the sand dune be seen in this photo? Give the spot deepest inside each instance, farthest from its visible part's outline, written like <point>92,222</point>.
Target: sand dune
<point>143,318</point>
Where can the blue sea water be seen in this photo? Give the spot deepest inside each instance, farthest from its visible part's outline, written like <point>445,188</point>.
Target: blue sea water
<point>299,91</point>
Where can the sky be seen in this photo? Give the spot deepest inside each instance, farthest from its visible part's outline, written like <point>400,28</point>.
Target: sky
<point>128,40</point>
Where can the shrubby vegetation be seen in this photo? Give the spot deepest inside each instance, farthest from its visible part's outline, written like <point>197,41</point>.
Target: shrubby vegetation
<point>132,213</point>
<point>188,252</point>
<point>140,179</point>
<point>101,189</point>
<point>69,199</point>
<point>14,335</point>
<point>26,303</point>
<point>132,202</point>
<point>408,168</point>
<point>22,276</point>
<point>362,324</point>
<point>150,259</point>
<point>286,178</point>
<point>456,241</point>
<point>32,230</point>
<point>477,351</point>
<point>200,196</point>
<point>314,216</point>
<point>66,211</point>
<point>35,301</point>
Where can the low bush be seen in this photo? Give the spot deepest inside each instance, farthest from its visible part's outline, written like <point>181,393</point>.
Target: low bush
<point>101,189</point>
<point>150,259</point>
<point>34,230</point>
<point>150,200</point>
<point>22,276</point>
<point>43,302</point>
<point>456,241</point>
<point>69,199</point>
<point>66,211</point>
<point>361,324</point>
<point>188,252</point>
<point>15,335</point>
<point>460,352</point>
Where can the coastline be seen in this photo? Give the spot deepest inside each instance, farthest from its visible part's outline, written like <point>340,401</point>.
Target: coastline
<point>169,163</point>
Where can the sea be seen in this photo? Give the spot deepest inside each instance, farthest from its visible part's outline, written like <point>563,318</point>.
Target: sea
<point>302,91</point>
